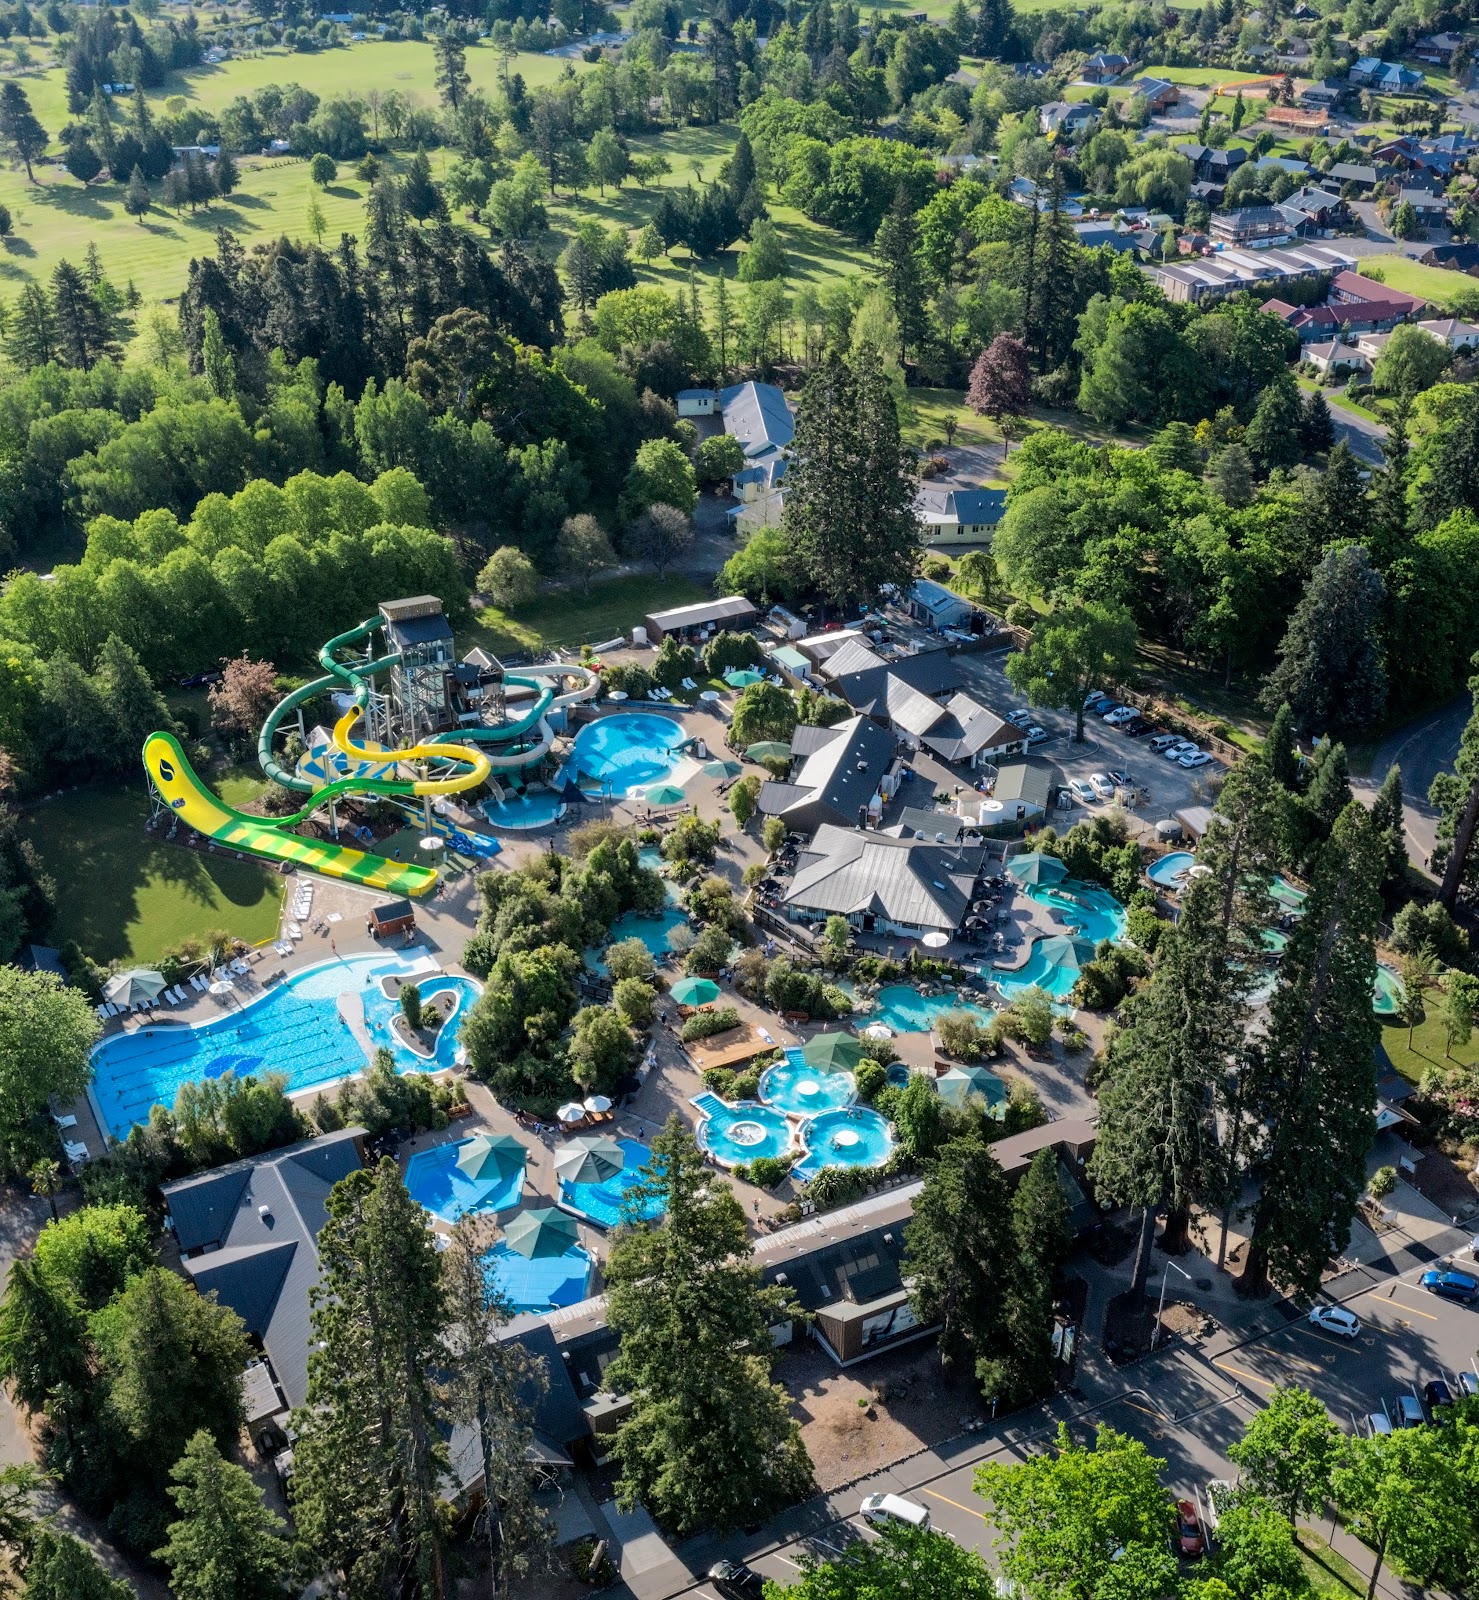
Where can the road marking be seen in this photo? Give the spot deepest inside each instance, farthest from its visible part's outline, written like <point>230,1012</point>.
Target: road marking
<point>1402,1305</point>
<point>1146,1409</point>
<point>1227,1366</point>
<point>970,1511</point>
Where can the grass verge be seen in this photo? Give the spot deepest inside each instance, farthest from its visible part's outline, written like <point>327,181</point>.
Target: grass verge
<point>563,618</point>
<point>1429,1047</point>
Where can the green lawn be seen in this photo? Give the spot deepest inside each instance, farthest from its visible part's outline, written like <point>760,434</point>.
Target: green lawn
<point>122,894</point>
<point>1412,277</point>
<point>1429,1044</point>
<point>563,618</point>
<point>932,406</point>
<point>1330,1574</point>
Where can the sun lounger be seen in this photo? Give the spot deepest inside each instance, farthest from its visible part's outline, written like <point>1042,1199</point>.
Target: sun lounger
<point>64,1122</point>
<point>238,966</point>
<point>688,683</point>
<point>76,1152</point>
<point>177,995</point>
<point>102,1012</point>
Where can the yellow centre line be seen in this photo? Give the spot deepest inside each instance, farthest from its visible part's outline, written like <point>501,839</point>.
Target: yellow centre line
<point>1226,1366</point>
<point>1146,1409</point>
<point>970,1511</point>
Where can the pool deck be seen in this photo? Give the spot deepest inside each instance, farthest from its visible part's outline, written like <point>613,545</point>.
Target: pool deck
<point>729,1049</point>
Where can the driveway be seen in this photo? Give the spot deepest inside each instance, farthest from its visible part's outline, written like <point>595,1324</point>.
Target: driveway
<point>1422,748</point>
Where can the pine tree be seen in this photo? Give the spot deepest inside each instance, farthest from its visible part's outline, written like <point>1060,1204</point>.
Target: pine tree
<point>369,1455</point>
<point>1040,1217</point>
<point>1389,821</point>
<point>1456,794</point>
<point>226,1542</point>
<point>452,77</point>
<point>850,490</point>
<point>225,173</point>
<point>43,1348</point>
<point>141,120</point>
<point>694,1322</point>
<point>1272,438</point>
<point>419,196</point>
<point>1175,449</point>
<point>1452,480</point>
<point>135,707</point>
<point>1278,750</point>
<point>897,248</point>
<point>725,323</point>
<point>1316,426</point>
<point>968,1271</point>
<point>216,358</point>
<point>136,200</point>
<point>1391,515</point>
<point>82,334</point>
<point>19,127</point>
<point>30,329</point>
<point>488,1376</point>
<point>1311,1093</point>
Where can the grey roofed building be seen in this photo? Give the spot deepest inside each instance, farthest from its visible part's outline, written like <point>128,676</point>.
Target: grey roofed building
<point>731,611</point>
<point>836,780</point>
<point>968,728</point>
<point>757,415</point>
<point>853,655</point>
<point>1028,784</point>
<point>248,1232</point>
<point>885,883</point>
<point>931,672</point>
<point>556,1418</point>
<point>959,513</point>
<point>1363,177</point>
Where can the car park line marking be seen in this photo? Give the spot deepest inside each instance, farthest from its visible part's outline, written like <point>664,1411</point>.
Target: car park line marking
<point>1402,1305</point>
<point>1227,1366</point>
<point>1146,1409</point>
<point>970,1511</point>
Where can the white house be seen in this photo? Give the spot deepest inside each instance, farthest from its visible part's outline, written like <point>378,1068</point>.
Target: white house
<point>697,403</point>
<point>959,516</point>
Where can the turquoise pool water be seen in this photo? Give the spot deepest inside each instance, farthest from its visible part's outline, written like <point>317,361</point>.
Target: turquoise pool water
<point>791,1085</point>
<point>1170,871</point>
<point>294,1029</point>
<point>1037,974</point>
<point>898,1075</point>
<point>735,1134</point>
<point>654,932</point>
<point>601,1203</point>
<point>540,1284</point>
<point>856,1137</point>
<point>904,1009</point>
<point>522,811</point>
<point>1083,905</point>
<point>629,750</point>
<point>435,1183</point>
<point>1286,895</point>
<point>1387,993</point>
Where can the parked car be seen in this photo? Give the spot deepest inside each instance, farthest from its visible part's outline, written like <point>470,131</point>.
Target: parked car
<point>1468,1384</point>
<point>1336,1319</point>
<point>1119,777</point>
<point>885,1508</point>
<point>1019,719</point>
<point>1219,1496</point>
<point>1102,787</point>
<point>1097,697</point>
<point>1082,791</point>
<point>1407,1412</point>
<point>1189,1539</point>
<point>736,1580</point>
<point>1451,1285</point>
<point>1164,741</point>
<point>1120,714</point>
<point>1436,1393</point>
<point>1037,735</point>
<point>1135,727</point>
<point>1174,752</point>
<point>1194,758</point>
<point>1378,1422</point>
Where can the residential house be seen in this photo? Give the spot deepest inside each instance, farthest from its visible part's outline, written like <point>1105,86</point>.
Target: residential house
<point>1462,256</point>
<point>1313,212</point>
<point>959,516</point>
<point>1321,96</point>
<point>1027,193</point>
<point>1064,118</point>
<point>866,681</point>
<point>1288,164</point>
<point>1364,178</point>
<point>558,1424</point>
<point>938,607</point>
<point>1093,234</point>
<point>757,415</point>
<point>1311,323</point>
<point>1371,303</point>
<point>901,888</point>
<point>846,772</point>
<point>1104,67</point>
<point>970,734</point>
<point>1431,209</point>
<point>1385,77</point>
<point>248,1233</point>
<point>697,402</point>
<point>1231,270</point>
<point>1457,145</point>
<point>1250,225</point>
<point>1211,165</point>
<point>762,499</point>
<point>1159,94</point>
<point>1210,194</point>
<point>691,622</point>
<point>1438,49</point>
<point>1333,358</point>
<point>1451,332</point>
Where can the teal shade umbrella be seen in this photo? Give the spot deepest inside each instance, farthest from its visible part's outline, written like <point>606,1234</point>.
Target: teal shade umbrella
<point>833,1052</point>
<point>665,794</point>
<point>957,1086</point>
<point>1068,952</point>
<point>129,988</point>
<point>695,991</point>
<point>743,678</point>
<point>768,750</point>
<point>1035,867</point>
<point>593,1159</point>
<point>719,768</point>
<point>490,1155</point>
<point>541,1234</point>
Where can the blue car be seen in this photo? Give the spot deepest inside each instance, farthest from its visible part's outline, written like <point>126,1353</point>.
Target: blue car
<point>1451,1285</point>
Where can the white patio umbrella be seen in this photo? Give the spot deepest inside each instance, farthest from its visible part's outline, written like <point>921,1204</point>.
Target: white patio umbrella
<point>574,1112</point>
<point>597,1103</point>
<point>222,986</point>
<point>936,940</point>
<point>878,1030</point>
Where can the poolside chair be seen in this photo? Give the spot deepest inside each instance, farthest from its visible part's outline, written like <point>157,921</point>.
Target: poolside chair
<point>102,1012</point>
<point>64,1122</point>
<point>111,1009</point>
<point>688,683</point>
<point>76,1152</point>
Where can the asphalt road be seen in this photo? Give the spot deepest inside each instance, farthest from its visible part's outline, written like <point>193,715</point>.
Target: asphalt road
<point>1422,749</point>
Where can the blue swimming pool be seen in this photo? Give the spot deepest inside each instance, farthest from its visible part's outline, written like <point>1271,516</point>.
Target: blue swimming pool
<point>792,1086</point>
<point>436,1183</point>
<point>295,1029</point>
<point>540,1284</point>
<point>531,809</point>
<point>655,932</point>
<point>1170,871</point>
<point>735,1134</point>
<point>904,1009</point>
<point>628,750</point>
<point>1037,974</point>
<point>856,1137</point>
<point>602,1203</point>
<point>1086,906</point>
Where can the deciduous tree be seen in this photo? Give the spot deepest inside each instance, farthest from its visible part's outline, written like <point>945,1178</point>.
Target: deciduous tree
<point>241,700</point>
<point>47,1031</point>
<point>1073,649</point>
<point>1288,1452</point>
<point>1001,380</point>
<point>583,549</point>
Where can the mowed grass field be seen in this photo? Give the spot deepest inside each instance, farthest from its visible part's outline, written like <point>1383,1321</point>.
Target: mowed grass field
<point>125,895</point>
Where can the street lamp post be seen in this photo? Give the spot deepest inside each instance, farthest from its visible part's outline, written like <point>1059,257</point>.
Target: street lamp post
<point>1155,1337</point>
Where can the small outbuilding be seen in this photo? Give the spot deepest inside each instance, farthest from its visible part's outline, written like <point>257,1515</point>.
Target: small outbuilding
<point>395,916</point>
<point>732,611</point>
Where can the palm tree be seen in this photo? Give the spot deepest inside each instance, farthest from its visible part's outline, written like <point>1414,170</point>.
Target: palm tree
<point>46,1178</point>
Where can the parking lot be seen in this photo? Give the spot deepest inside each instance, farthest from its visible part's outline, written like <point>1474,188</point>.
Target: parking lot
<point>1103,750</point>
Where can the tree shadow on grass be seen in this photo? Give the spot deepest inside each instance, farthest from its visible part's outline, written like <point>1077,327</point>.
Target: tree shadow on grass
<point>74,202</point>
<point>16,246</point>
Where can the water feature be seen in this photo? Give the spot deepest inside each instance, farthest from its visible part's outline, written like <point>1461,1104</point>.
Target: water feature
<point>295,1029</point>
<point>1090,908</point>
<point>541,1283</point>
<point>904,1009</point>
<point>735,1134</point>
<point>534,808</point>
<point>628,751</point>
<point>793,1086</point>
<point>1387,993</point>
<point>855,1137</point>
<point>654,932</point>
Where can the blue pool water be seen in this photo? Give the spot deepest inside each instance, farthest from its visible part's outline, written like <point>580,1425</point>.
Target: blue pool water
<point>1037,974</point>
<point>1170,871</point>
<point>294,1029</point>
<point>601,1203</point>
<point>898,1075</point>
<point>791,1085</point>
<point>654,932</point>
<point>734,1134</point>
<point>536,809</point>
<point>904,1009</point>
<point>1086,906</point>
<point>435,1183</point>
<point>629,750</point>
<point>541,1284</point>
<point>856,1137</point>
<point>1387,993</point>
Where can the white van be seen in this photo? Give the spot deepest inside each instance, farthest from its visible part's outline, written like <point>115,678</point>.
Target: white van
<point>883,1508</point>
